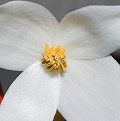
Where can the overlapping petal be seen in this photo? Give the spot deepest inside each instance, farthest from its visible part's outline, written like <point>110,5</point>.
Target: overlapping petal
<point>90,90</point>
<point>33,96</point>
<point>91,32</point>
<point>25,27</point>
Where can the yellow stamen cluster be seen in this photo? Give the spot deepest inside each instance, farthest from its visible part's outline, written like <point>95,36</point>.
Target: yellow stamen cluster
<point>54,58</point>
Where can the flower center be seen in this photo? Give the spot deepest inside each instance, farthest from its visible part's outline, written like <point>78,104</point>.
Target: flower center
<point>54,58</point>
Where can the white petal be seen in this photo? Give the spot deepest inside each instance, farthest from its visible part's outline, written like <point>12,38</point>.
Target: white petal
<point>25,27</point>
<point>91,32</point>
<point>33,96</point>
<point>91,90</point>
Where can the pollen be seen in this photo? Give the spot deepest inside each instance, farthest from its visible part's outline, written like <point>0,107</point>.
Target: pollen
<point>54,58</point>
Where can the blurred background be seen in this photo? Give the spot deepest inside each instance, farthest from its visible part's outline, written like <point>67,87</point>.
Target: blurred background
<point>59,8</point>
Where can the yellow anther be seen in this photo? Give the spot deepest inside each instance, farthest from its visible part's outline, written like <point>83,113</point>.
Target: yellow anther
<point>53,58</point>
<point>57,54</point>
<point>50,53</point>
<point>47,48</point>
<point>62,67</point>
<point>53,47</point>
<point>42,59</point>
<point>60,48</point>
<point>63,51</point>
<point>57,48</point>
<point>53,54</point>
<point>63,56</point>
<point>43,54</point>
<point>58,69</point>
<point>51,69</point>
<point>50,63</point>
<point>64,63</point>
<point>60,53</point>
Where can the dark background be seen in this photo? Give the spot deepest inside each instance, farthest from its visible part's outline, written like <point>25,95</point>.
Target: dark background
<point>59,8</point>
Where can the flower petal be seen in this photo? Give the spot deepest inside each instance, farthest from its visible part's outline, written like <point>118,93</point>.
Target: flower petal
<point>25,27</point>
<point>91,90</point>
<point>91,32</point>
<point>33,96</point>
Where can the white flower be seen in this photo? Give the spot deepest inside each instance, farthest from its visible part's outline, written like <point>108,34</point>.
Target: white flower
<point>88,90</point>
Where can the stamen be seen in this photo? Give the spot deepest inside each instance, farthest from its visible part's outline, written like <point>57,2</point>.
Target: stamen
<point>61,64</point>
<point>47,48</point>
<point>54,58</point>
